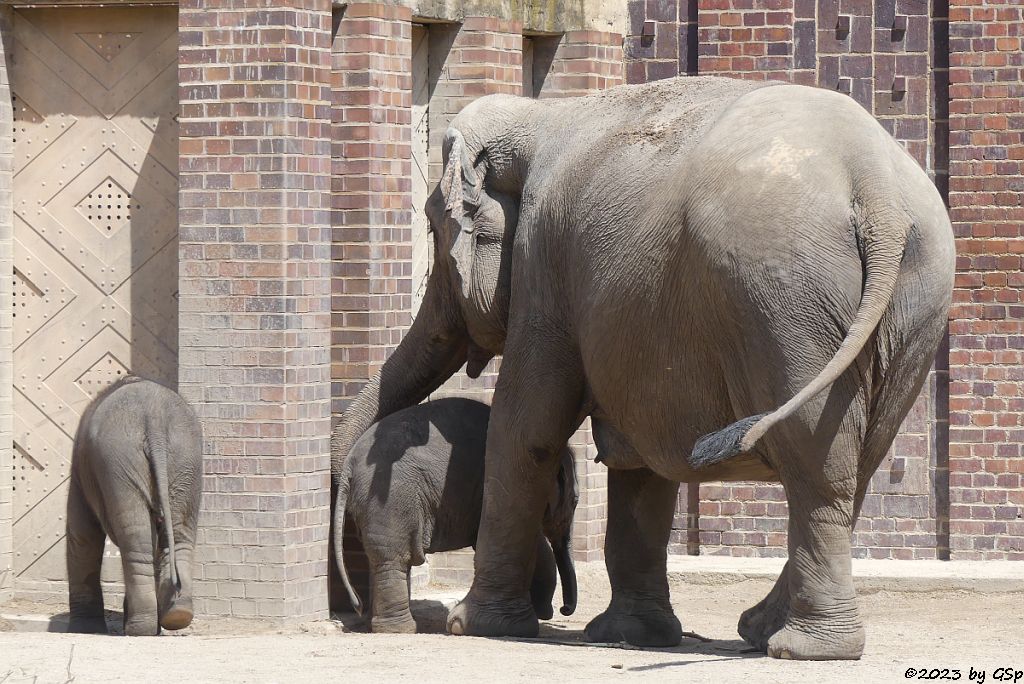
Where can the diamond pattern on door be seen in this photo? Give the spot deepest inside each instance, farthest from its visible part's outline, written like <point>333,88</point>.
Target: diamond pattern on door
<point>96,246</point>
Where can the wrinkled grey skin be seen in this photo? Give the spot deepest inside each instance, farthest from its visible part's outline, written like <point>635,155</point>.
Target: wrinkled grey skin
<point>136,477</point>
<point>678,260</point>
<point>413,484</point>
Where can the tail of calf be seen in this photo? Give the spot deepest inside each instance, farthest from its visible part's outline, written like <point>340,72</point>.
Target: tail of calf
<point>156,451</point>
<point>340,503</point>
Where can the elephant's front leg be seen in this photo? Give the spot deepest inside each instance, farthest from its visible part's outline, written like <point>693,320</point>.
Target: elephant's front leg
<point>641,505</point>
<point>536,408</point>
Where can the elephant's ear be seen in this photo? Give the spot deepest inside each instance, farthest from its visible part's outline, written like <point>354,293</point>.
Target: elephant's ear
<point>462,185</point>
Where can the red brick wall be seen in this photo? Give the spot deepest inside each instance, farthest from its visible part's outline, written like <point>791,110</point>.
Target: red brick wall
<point>986,197</point>
<point>254,298</point>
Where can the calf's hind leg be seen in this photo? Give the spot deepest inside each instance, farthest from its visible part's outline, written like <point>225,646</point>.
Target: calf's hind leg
<point>85,539</point>
<point>390,596</point>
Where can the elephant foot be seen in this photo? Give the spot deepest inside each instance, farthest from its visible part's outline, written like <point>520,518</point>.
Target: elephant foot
<point>403,624</point>
<point>758,623</point>
<point>87,624</point>
<point>792,643</point>
<point>178,616</point>
<point>472,617</point>
<point>544,611</point>
<point>655,626</point>
<point>142,626</point>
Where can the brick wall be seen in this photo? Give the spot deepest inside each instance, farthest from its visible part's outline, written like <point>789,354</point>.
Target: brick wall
<point>6,310</point>
<point>255,297</point>
<point>986,197</point>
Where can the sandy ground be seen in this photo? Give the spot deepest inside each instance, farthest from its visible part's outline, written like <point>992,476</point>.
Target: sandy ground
<point>955,630</point>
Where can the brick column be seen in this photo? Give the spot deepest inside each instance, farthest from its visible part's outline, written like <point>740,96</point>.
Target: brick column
<point>6,311</point>
<point>371,211</point>
<point>986,197</point>
<point>586,62</point>
<point>371,250</point>
<point>481,56</point>
<point>254,298</point>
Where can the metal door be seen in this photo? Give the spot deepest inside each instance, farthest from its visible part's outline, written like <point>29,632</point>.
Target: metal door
<point>95,239</point>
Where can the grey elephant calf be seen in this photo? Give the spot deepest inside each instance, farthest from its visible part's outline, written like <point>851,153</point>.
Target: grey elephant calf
<point>136,477</point>
<point>413,484</point>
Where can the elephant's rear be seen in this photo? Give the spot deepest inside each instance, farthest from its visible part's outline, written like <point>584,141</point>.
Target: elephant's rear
<point>832,241</point>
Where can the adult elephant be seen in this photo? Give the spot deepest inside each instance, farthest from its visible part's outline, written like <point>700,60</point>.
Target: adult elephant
<point>670,259</point>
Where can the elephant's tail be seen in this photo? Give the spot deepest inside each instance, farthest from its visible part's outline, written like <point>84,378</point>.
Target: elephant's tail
<point>882,230</point>
<point>340,503</point>
<point>157,452</point>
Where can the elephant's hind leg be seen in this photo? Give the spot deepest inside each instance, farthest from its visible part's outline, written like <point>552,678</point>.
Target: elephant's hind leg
<point>820,620</point>
<point>85,540</point>
<point>390,596</point>
<point>136,542</point>
<point>759,622</point>
<point>640,509</point>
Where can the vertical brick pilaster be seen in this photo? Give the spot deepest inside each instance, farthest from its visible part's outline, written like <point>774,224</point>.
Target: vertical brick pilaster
<point>481,56</point>
<point>255,296</point>
<point>6,312</point>
<point>844,42</point>
<point>986,197</point>
<point>586,62</point>
<point>371,210</point>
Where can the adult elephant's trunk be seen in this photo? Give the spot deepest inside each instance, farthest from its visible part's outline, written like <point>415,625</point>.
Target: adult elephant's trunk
<point>566,571</point>
<point>431,352</point>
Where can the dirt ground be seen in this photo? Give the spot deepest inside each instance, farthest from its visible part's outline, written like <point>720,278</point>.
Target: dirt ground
<point>955,630</point>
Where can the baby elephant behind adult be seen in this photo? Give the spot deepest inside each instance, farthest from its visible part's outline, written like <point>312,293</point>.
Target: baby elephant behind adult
<point>413,485</point>
<point>136,477</point>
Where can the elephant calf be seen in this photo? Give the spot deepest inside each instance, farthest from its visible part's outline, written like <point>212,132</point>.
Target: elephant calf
<point>136,477</point>
<point>413,484</point>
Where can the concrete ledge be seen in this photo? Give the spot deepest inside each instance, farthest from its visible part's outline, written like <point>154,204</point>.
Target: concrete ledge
<point>868,575</point>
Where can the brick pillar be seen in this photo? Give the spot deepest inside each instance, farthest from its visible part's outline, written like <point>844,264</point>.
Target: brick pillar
<point>481,56</point>
<point>6,311</point>
<point>371,252</point>
<point>255,296</point>
<point>586,62</point>
<point>371,211</point>
<point>844,46</point>
<point>986,197</point>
